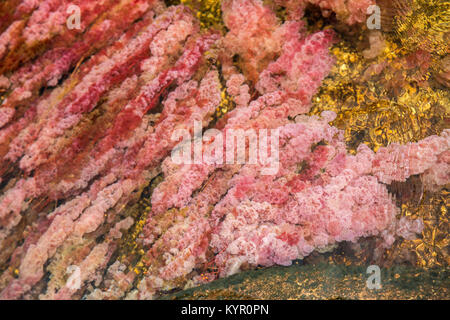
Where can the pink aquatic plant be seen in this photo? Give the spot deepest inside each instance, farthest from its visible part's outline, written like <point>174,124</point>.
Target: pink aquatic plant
<point>87,124</point>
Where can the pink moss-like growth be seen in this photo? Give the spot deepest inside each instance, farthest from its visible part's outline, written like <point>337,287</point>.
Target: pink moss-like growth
<point>253,35</point>
<point>398,162</point>
<point>301,67</point>
<point>265,220</point>
<point>75,158</point>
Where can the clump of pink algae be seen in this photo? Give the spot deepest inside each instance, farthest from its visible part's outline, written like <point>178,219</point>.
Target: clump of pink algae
<point>76,157</point>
